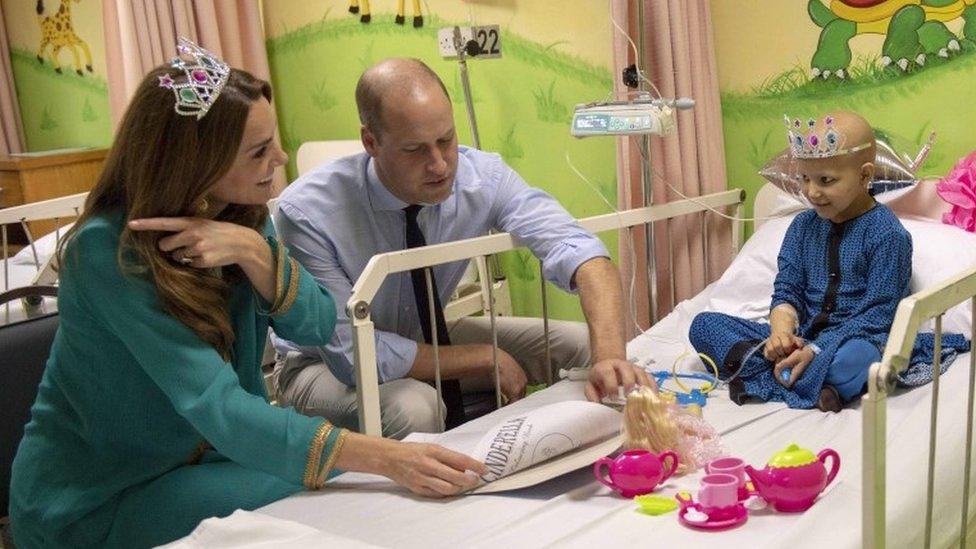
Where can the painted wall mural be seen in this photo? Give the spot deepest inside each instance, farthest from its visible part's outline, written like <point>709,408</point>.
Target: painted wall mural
<point>58,58</point>
<point>554,55</point>
<point>904,64</point>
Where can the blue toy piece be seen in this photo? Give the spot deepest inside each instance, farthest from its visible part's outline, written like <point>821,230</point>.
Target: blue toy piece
<point>697,396</point>
<point>785,375</point>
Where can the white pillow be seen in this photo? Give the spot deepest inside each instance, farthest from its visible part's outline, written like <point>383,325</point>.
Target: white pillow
<point>45,246</point>
<point>746,287</point>
<point>939,252</point>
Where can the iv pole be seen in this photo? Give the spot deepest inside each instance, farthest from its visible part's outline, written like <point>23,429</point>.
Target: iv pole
<point>463,52</point>
<point>646,178</point>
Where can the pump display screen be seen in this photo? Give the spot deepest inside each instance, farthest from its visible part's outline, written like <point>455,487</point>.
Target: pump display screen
<point>592,122</point>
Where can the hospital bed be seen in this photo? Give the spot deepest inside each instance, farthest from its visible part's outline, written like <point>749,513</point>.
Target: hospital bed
<point>32,265</point>
<point>882,496</point>
<point>901,484</point>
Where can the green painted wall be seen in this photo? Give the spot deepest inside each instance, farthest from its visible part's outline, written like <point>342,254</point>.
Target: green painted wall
<point>63,109</point>
<point>523,103</point>
<point>765,50</point>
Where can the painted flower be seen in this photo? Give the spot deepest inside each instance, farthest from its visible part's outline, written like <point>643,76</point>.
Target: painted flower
<point>959,189</point>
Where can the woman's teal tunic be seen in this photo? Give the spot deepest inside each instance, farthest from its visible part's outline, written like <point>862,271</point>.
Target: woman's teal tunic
<point>140,429</point>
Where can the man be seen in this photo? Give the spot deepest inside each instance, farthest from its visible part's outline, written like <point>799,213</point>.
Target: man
<point>415,186</point>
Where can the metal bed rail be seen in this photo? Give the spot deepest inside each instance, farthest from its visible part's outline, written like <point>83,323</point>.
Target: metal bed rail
<point>383,265</point>
<point>912,312</point>
<point>56,210</point>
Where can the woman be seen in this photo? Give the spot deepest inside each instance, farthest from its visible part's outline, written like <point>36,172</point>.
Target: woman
<point>151,415</point>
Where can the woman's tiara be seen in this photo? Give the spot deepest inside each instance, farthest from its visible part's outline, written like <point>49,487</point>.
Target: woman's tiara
<point>205,74</point>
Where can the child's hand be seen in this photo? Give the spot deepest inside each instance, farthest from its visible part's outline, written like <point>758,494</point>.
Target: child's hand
<point>796,363</point>
<point>780,345</point>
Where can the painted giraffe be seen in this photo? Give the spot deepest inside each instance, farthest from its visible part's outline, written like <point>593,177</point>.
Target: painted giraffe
<point>58,32</point>
<point>418,17</point>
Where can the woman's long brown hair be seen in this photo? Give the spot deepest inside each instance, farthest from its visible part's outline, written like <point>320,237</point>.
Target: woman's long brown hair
<point>161,165</point>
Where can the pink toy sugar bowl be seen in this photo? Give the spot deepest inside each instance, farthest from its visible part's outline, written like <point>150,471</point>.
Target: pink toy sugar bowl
<point>636,472</point>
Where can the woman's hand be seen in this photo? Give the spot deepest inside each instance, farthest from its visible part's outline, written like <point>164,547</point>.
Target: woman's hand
<point>425,469</point>
<point>204,243</point>
<point>431,470</point>
<point>201,243</point>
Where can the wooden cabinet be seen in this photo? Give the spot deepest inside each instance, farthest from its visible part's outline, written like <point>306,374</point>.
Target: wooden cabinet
<point>32,178</point>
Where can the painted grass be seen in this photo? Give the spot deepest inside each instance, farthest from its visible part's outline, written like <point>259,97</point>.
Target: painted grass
<point>335,52</point>
<point>864,73</point>
<point>909,106</point>
<point>60,110</point>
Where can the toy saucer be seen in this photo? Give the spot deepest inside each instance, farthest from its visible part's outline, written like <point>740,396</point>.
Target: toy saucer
<point>692,516</point>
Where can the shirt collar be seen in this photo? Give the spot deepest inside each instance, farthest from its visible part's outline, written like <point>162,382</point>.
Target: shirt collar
<point>380,198</point>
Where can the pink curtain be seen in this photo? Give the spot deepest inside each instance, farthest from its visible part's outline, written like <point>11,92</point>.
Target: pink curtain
<point>141,34</point>
<point>680,61</point>
<point>11,129</point>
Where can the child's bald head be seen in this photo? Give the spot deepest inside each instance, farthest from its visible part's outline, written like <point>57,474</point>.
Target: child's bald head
<point>838,185</point>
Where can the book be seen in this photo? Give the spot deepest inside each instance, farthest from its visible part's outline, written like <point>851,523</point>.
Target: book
<point>537,445</point>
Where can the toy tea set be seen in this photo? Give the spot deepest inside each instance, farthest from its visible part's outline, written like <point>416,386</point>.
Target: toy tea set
<point>790,482</point>
<point>663,438</point>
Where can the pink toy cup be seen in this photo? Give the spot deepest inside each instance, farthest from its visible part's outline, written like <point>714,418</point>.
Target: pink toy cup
<point>635,472</point>
<point>718,495</point>
<point>730,466</point>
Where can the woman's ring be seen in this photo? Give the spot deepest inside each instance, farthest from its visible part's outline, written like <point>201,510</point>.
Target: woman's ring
<point>180,257</point>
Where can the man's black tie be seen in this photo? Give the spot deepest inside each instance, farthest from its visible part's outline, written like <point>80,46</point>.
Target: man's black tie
<point>451,388</point>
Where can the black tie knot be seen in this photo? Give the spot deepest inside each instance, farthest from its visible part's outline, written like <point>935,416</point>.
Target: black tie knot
<point>412,211</point>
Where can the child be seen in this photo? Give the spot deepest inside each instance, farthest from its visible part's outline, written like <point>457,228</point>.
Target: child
<point>843,267</point>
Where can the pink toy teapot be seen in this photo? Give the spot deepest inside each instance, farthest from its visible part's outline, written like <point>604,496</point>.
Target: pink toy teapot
<point>793,478</point>
<point>636,472</point>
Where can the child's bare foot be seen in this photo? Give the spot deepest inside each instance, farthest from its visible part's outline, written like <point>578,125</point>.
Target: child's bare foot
<point>829,400</point>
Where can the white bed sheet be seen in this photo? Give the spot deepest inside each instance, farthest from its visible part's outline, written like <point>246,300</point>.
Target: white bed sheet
<point>575,511</point>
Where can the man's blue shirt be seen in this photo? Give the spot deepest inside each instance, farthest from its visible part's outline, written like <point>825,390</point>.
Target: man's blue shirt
<point>339,215</point>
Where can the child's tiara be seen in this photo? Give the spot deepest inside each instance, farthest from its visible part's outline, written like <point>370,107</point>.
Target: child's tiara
<point>807,143</point>
<point>205,78</point>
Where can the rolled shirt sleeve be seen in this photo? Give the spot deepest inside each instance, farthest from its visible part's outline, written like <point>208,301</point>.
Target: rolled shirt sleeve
<point>540,223</point>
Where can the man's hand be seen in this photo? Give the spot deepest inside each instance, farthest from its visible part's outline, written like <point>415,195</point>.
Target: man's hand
<point>609,374</point>
<point>511,377</point>
<point>780,345</point>
<point>796,363</point>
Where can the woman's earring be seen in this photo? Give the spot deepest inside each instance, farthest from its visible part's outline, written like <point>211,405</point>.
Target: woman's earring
<point>203,206</point>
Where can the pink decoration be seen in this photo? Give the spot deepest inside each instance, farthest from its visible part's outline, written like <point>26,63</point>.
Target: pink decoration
<point>958,188</point>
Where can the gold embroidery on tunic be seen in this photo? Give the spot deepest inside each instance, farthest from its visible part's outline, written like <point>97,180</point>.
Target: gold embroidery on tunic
<point>315,454</point>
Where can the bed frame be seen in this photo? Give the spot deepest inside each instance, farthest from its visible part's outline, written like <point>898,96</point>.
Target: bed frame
<point>384,265</point>
<point>912,313</point>
<point>60,210</point>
